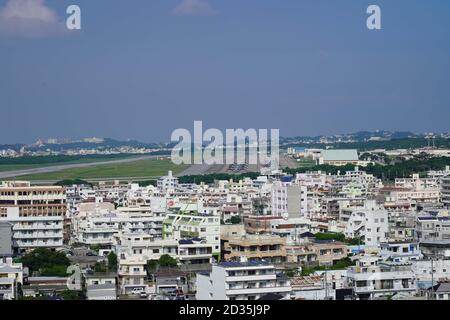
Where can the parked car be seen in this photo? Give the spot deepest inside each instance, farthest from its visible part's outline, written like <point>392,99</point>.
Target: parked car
<point>137,291</point>
<point>143,294</point>
<point>157,297</point>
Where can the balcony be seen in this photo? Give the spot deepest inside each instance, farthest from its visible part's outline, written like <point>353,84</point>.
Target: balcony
<point>38,244</point>
<point>256,254</point>
<point>195,256</point>
<point>261,290</point>
<point>38,235</point>
<point>92,241</point>
<point>127,273</point>
<point>37,226</point>
<point>372,289</point>
<point>262,277</point>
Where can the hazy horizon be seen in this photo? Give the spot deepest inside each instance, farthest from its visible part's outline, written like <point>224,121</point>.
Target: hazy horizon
<point>140,70</point>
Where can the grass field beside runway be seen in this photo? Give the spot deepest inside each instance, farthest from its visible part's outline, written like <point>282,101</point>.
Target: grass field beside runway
<point>142,168</point>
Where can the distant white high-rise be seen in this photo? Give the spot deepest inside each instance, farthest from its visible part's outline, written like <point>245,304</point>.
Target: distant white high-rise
<point>37,214</point>
<point>167,183</point>
<point>445,190</point>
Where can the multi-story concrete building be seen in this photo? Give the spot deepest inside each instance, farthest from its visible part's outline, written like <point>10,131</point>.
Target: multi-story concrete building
<point>167,183</point>
<point>100,226</point>
<point>445,190</point>
<point>36,213</point>
<point>289,201</point>
<point>411,195</point>
<point>11,274</point>
<point>370,224</point>
<point>328,252</point>
<point>428,271</point>
<point>188,225</point>
<point>432,226</point>
<point>400,251</point>
<point>131,273</point>
<point>255,248</point>
<point>320,253</point>
<point>415,182</point>
<point>372,278</point>
<point>241,281</point>
<point>6,248</point>
<point>187,251</point>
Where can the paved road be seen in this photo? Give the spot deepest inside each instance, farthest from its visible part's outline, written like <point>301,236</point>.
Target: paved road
<point>17,173</point>
<point>196,169</point>
<point>287,161</point>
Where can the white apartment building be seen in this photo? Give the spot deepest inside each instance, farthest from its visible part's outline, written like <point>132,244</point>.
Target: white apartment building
<point>291,229</point>
<point>131,272</point>
<point>167,183</point>
<point>241,281</point>
<point>424,274</point>
<point>417,183</point>
<point>11,274</point>
<point>186,251</point>
<point>36,213</point>
<point>432,226</point>
<point>315,179</point>
<point>356,176</point>
<point>372,278</point>
<point>439,174</point>
<point>289,201</point>
<point>189,225</point>
<point>370,224</point>
<point>411,195</point>
<point>6,248</point>
<point>400,251</point>
<point>100,226</point>
<point>445,190</point>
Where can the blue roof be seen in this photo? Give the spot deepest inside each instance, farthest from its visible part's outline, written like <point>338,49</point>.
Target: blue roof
<point>287,178</point>
<point>235,264</point>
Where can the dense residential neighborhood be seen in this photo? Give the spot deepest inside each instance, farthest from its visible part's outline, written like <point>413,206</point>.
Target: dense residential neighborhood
<point>205,159</point>
<point>341,235</point>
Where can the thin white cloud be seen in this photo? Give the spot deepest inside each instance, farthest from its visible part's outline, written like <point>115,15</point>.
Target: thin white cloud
<point>194,8</point>
<point>29,18</point>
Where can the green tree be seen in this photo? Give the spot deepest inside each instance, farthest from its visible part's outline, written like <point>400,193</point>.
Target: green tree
<point>70,295</point>
<point>330,236</point>
<point>167,261</point>
<point>54,271</point>
<point>112,261</point>
<point>100,267</point>
<point>235,220</point>
<point>47,261</point>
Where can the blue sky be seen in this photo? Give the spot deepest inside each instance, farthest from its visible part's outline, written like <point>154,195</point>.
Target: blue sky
<point>140,69</point>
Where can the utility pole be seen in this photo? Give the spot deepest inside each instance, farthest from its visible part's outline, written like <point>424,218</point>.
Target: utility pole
<point>432,279</point>
<point>432,264</point>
